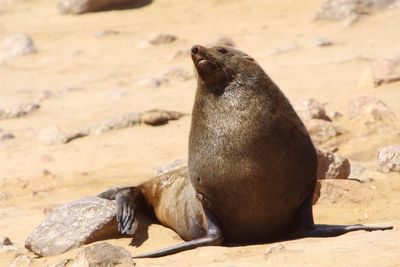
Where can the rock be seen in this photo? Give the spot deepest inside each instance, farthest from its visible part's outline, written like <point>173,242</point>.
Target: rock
<point>106,33</point>
<point>385,70</point>
<point>71,225</point>
<point>370,108</point>
<point>331,166</point>
<point>356,170</point>
<point>61,263</point>
<point>103,255</point>
<point>322,131</point>
<point>53,135</point>
<point>156,117</point>
<point>6,136</point>
<point>3,196</point>
<point>389,159</point>
<point>321,41</point>
<point>21,261</point>
<point>83,6</point>
<point>177,164</point>
<point>350,9</point>
<point>117,122</point>
<point>284,49</point>
<point>15,45</point>
<point>5,241</point>
<point>311,109</point>
<point>157,39</point>
<point>149,82</point>
<point>18,111</point>
<point>44,96</point>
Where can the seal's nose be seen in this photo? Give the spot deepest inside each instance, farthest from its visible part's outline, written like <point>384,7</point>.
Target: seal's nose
<point>195,49</point>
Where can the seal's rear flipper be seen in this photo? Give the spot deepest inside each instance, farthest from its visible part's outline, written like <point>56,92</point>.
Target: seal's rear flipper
<point>324,230</point>
<point>212,238</point>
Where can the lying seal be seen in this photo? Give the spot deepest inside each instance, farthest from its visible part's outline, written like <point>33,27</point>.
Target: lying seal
<point>251,161</point>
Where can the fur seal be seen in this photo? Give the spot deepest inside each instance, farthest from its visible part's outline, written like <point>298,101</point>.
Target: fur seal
<point>252,164</point>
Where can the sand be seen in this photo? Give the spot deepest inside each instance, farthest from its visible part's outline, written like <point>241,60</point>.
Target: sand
<point>94,78</point>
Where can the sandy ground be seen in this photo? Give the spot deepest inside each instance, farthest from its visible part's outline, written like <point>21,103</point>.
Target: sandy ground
<point>103,74</point>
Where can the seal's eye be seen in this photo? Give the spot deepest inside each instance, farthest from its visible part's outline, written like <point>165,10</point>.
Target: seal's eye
<point>222,50</point>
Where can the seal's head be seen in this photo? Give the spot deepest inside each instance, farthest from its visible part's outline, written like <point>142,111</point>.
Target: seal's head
<point>219,65</point>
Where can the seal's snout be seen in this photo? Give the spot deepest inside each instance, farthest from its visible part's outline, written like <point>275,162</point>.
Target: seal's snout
<point>195,49</point>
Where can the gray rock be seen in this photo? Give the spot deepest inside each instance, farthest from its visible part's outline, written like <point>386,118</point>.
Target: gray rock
<point>5,241</point>
<point>6,136</point>
<point>106,33</point>
<point>53,135</point>
<point>44,96</point>
<point>71,225</point>
<point>322,131</point>
<point>18,111</point>
<point>370,108</point>
<point>15,45</point>
<point>117,122</point>
<point>103,255</point>
<point>83,6</point>
<point>157,39</point>
<point>356,170</point>
<point>311,109</point>
<point>332,166</point>
<point>149,82</point>
<point>389,159</point>
<point>385,70</point>
<point>157,117</point>
<point>345,9</point>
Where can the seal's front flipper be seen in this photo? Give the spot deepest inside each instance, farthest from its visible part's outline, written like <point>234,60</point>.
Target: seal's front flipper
<point>324,230</point>
<point>129,200</point>
<point>213,238</point>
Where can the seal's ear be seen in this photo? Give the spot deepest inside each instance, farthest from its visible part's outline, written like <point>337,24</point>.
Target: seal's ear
<point>248,58</point>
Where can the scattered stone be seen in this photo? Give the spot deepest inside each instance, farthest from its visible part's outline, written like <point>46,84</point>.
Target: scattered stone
<point>311,109</point>
<point>5,241</point>
<point>385,70</point>
<point>3,196</point>
<point>157,39</point>
<point>21,261</point>
<point>157,117</point>
<point>53,135</point>
<point>284,49</point>
<point>15,45</point>
<point>356,170</point>
<point>61,263</point>
<point>350,9</point>
<point>389,159</point>
<point>106,33</point>
<point>332,166</point>
<point>18,111</point>
<point>103,255</point>
<point>321,41</point>
<point>176,73</point>
<point>177,164</point>
<point>335,115</point>
<point>6,136</point>
<point>118,122</point>
<point>71,225</point>
<point>149,82</point>
<point>371,108</point>
<point>77,7</point>
<point>322,131</point>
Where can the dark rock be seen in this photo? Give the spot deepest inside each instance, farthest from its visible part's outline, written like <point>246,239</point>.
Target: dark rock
<point>6,136</point>
<point>370,108</point>
<point>156,117</point>
<point>103,255</point>
<point>385,70</point>
<point>15,45</point>
<point>71,225</point>
<point>5,241</point>
<point>331,166</point>
<point>389,159</point>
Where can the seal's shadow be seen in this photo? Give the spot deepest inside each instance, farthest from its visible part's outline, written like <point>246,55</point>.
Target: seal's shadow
<point>141,233</point>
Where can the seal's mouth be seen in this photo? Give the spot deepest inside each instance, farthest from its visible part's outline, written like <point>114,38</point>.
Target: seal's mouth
<point>201,59</point>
